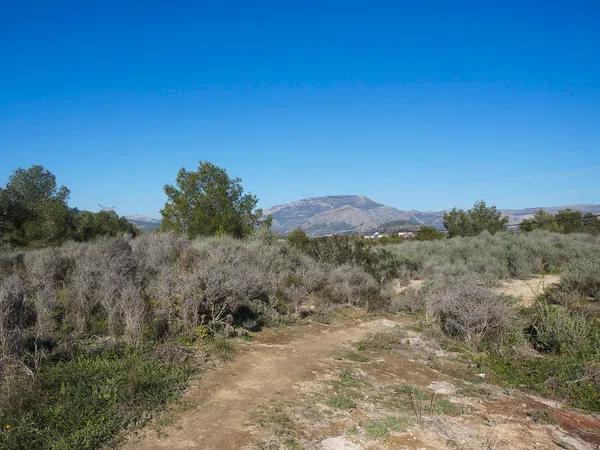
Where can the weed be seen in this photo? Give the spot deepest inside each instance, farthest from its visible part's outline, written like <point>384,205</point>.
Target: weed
<point>355,356</point>
<point>341,402</point>
<point>380,429</point>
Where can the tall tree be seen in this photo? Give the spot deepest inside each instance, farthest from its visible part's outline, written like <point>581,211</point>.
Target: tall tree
<point>475,220</point>
<point>34,208</point>
<point>208,202</point>
<point>34,212</point>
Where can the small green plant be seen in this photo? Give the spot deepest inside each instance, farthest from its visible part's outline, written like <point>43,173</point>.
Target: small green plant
<point>443,406</point>
<point>345,380</point>
<point>341,402</point>
<point>380,429</point>
<point>355,356</point>
<point>411,391</point>
<point>88,402</point>
<point>222,347</point>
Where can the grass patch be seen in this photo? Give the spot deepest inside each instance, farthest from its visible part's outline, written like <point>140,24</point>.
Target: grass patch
<point>341,402</point>
<point>275,418</point>
<point>380,429</point>
<point>346,380</point>
<point>550,375</point>
<point>411,392</point>
<point>446,407</point>
<point>386,340</point>
<point>356,357</point>
<point>222,347</point>
<point>89,401</point>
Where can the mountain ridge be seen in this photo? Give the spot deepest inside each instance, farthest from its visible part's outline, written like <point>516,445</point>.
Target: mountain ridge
<point>338,214</point>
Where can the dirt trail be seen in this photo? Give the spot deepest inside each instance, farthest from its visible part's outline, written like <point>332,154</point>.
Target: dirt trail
<point>224,398</point>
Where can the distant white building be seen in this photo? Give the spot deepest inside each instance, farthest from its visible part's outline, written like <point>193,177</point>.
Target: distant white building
<point>406,234</point>
<point>376,235</point>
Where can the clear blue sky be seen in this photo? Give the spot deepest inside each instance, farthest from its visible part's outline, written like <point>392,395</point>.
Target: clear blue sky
<point>421,104</point>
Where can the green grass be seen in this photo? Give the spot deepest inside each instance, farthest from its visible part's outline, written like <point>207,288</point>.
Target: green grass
<point>550,375</point>
<point>411,391</point>
<point>340,401</point>
<point>88,402</point>
<point>345,380</point>
<point>355,356</point>
<point>443,406</point>
<point>380,429</point>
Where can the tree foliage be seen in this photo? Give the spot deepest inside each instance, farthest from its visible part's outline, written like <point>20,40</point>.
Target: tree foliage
<point>566,221</point>
<point>208,202</point>
<point>34,212</point>
<point>297,238</point>
<point>481,217</point>
<point>426,233</point>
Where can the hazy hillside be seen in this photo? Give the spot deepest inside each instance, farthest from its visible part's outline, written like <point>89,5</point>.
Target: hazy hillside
<point>146,224</point>
<point>342,213</point>
<point>356,213</point>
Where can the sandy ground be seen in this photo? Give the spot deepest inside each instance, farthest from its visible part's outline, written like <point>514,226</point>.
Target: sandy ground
<point>283,390</point>
<point>529,289</point>
<point>225,397</point>
<point>277,393</point>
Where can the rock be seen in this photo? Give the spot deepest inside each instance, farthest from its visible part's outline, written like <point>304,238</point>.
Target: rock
<point>250,325</point>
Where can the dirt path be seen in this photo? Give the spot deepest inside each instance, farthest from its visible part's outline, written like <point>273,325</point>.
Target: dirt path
<point>273,366</point>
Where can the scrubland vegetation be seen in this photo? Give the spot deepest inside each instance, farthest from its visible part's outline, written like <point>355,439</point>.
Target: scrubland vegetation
<point>98,333</point>
<point>553,347</point>
<point>119,315</point>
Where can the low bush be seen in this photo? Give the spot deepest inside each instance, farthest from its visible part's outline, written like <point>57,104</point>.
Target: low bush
<point>553,328</point>
<point>472,313</point>
<point>87,402</point>
<point>92,311</point>
<point>583,276</point>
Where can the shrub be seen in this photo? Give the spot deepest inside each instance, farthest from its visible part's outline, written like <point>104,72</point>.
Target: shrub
<point>349,284</point>
<point>555,329</point>
<point>85,403</point>
<point>583,276</point>
<point>11,315</point>
<point>472,313</point>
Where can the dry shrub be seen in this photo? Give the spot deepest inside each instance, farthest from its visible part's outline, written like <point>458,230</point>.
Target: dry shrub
<point>472,313</point>
<point>12,306</point>
<point>47,270</point>
<point>349,284</point>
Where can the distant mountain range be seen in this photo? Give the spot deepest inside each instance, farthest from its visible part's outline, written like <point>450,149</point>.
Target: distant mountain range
<point>144,223</point>
<point>349,214</point>
<point>340,214</point>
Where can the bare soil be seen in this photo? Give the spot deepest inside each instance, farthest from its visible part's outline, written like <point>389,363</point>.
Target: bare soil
<point>361,384</point>
<point>528,290</point>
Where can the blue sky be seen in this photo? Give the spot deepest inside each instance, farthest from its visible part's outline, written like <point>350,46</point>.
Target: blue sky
<point>420,105</point>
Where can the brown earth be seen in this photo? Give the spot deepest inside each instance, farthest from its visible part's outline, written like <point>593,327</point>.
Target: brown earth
<point>528,290</point>
<point>317,387</point>
<point>273,365</point>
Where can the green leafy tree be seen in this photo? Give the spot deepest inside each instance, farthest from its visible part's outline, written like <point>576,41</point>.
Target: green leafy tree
<point>475,220</point>
<point>298,238</point>
<point>88,225</point>
<point>566,221</point>
<point>208,202</point>
<point>541,220</point>
<point>426,233</point>
<point>34,212</point>
<point>34,209</point>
